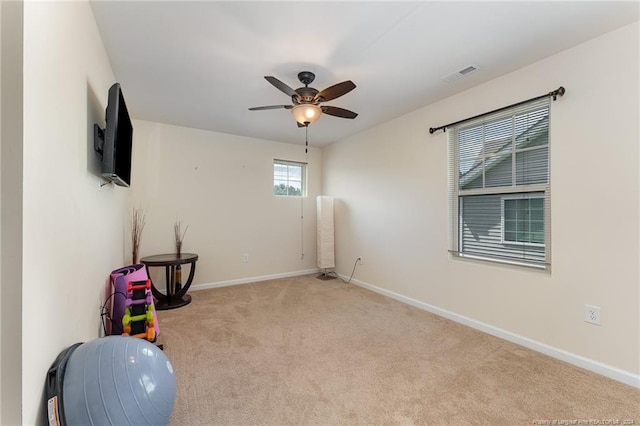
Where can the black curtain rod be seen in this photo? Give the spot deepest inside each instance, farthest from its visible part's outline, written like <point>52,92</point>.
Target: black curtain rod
<point>558,92</point>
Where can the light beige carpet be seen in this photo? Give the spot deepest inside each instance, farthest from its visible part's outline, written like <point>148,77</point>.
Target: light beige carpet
<point>300,351</point>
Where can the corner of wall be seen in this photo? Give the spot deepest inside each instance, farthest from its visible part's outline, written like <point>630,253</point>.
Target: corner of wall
<point>11,141</point>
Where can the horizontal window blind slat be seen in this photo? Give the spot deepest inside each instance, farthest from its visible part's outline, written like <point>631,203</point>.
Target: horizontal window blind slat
<point>530,264</point>
<point>531,108</point>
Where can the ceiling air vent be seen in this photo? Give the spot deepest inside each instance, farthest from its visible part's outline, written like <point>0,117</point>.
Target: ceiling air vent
<point>461,73</point>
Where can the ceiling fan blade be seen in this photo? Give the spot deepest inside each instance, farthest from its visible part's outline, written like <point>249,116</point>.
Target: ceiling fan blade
<point>271,107</point>
<point>336,91</point>
<point>280,85</point>
<point>338,112</point>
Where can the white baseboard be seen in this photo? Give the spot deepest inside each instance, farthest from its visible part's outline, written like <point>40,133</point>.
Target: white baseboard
<point>248,280</point>
<point>577,360</point>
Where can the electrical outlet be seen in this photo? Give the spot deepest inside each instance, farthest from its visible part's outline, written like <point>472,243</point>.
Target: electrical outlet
<point>592,314</point>
<point>359,260</point>
<point>245,258</point>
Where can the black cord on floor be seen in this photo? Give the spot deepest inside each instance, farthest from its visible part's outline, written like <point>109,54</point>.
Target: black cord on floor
<point>335,274</point>
<point>106,312</point>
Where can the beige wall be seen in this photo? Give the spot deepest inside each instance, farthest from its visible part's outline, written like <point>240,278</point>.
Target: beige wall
<point>1,383</point>
<point>220,185</point>
<point>72,228</point>
<point>391,188</point>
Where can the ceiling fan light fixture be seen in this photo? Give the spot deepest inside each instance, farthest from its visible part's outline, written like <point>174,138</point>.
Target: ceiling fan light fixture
<point>306,113</point>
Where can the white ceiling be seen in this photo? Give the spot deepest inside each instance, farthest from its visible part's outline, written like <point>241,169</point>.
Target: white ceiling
<point>201,64</point>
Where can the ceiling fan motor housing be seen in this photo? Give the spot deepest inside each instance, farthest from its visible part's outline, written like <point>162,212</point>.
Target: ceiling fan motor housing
<point>305,95</point>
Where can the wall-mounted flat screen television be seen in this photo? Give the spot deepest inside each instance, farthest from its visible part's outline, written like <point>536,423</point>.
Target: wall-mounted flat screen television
<point>115,141</point>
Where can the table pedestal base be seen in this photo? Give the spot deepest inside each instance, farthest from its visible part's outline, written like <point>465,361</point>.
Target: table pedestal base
<point>174,302</point>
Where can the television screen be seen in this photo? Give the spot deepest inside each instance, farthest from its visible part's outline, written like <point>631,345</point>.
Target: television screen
<point>118,139</point>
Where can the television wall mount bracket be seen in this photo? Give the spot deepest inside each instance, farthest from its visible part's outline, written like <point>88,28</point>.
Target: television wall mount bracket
<point>98,139</point>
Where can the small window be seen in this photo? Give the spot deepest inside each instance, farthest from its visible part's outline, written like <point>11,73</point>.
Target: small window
<point>523,219</point>
<point>289,178</point>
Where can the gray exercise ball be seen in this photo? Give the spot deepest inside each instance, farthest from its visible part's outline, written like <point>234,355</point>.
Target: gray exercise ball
<point>118,380</point>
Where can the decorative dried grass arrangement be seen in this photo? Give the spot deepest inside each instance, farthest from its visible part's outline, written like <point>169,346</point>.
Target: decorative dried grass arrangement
<point>179,235</point>
<point>137,225</point>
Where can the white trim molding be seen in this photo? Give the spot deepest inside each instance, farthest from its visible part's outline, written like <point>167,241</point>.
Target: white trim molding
<point>597,367</point>
<point>249,280</point>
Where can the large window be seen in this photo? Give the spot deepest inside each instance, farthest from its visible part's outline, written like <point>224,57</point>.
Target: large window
<point>500,186</point>
<point>289,178</point>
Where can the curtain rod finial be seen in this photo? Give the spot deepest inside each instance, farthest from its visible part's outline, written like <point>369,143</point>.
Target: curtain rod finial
<point>559,92</point>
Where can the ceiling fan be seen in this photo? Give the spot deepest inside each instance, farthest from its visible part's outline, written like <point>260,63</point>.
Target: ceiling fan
<point>306,108</point>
